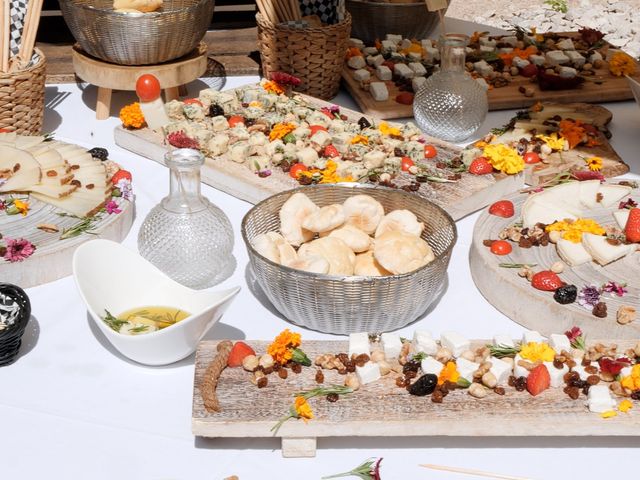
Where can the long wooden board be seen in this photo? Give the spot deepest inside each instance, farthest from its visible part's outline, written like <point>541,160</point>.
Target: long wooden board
<point>537,310</point>
<point>505,98</point>
<point>465,196</point>
<point>382,409</point>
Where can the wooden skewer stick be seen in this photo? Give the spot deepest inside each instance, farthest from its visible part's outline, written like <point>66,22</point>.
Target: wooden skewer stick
<point>295,8</point>
<point>30,30</point>
<point>467,471</point>
<point>266,11</point>
<point>5,29</point>
<point>285,7</point>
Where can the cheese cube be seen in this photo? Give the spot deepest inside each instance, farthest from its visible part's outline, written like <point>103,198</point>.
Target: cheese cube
<point>559,342</point>
<point>426,43</point>
<point>359,343</point>
<point>576,59</point>
<point>518,370</point>
<point>389,46</point>
<point>482,67</point>
<point>487,48</point>
<point>520,62</point>
<point>536,59</point>
<point>556,374</point>
<point>417,82</point>
<point>532,336</point>
<point>375,60</point>
<point>370,51</point>
<point>466,368</point>
<point>321,137</point>
<point>566,44</point>
<point>361,75</point>
<point>505,50</point>
<point>504,340</point>
<point>431,365</point>
<point>405,43</point>
<point>391,345</point>
<point>455,342</point>
<point>511,40</point>
<point>403,70</point>
<point>356,42</point>
<point>556,57</point>
<point>599,399</point>
<point>393,37</point>
<point>418,69</point>
<point>580,370</point>
<point>415,56</point>
<point>431,54</point>
<point>501,370</point>
<point>379,91</point>
<point>384,73</point>
<point>369,372</point>
<point>567,72</point>
<point>424,342</point>
<point>356,62</point>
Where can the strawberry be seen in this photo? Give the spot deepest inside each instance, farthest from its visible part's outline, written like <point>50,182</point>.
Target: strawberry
<point>538,380</point>
<point>546,280</point>
<point>119,175</point>
<point>480,166</point>
<point>331,151</point>
<point>632,228</point>
<point>502,208</point>
<point>238,352</point>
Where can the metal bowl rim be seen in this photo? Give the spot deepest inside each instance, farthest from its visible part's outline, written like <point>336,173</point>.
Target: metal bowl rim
<point>91,8</point>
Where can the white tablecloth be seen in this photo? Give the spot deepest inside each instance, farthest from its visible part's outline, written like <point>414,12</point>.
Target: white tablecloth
<point>72,408</point>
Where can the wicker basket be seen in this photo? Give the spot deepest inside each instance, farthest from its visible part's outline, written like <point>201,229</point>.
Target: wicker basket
<point>314,55</point>
<point>22,98</point>
<point>11,336</point>
<point>373,20</point>
<point>145,39</point>
<point>344,305</point>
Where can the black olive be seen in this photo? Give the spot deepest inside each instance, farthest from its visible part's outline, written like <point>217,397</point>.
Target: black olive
<point>99,153</point>
<point>364,123</point>
<point>425,385</point>
<point>410,367</point>
<point>566,294</point>
<point>215,110</point>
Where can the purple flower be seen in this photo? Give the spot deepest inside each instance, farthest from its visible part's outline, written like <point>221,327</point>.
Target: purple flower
<point>18,249</point>
<point>126,191</point>
<point>335,109</point>
<point>589,296</point>
<point>264,173</point>
<point>112,207</point>
<point>615,288</point>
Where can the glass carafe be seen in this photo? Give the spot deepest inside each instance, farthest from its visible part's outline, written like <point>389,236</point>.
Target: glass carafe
<point>185,235</point>
<point>451,105</point>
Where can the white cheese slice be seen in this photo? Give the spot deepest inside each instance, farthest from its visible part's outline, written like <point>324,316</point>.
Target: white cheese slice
<point>611,194</point>
<point>368,373</point>
<point>82,207</point>
<point>455,342</point>
<point>359,343</point>
<point>588,193</point>
<point>54,191</point>
<point>621,217</point>
<point>544,212</point>
<point>573,254</point>
<point>391,344</point>
<point>602,251</point>
<point>8,138</point>
<point>25,169</point>
<point>559,342</point>
<point>431,365</point>
<point>154,113</point>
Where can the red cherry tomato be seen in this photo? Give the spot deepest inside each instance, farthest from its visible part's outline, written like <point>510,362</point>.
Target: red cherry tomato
<point>190,101</point>
<point>234,120</point>
<point>501,247</point>
<point>119,175</point>
<point>296,169</point>
<point>430,151</point>
<point>316,128</point>
<point>147,88</point>
<point>531,157</point>
<point>406,163</point>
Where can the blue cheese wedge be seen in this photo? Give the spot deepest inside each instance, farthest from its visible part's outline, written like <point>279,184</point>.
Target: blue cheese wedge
<point>373,159</point>
<point>307,156</point>
<point>218,144</point>
<point>384,73</point>
<point>379,91</point>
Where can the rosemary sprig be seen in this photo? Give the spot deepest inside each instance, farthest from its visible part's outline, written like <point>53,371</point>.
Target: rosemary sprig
<point>85,225</point>
<point>315,392</point>
<point>419,356</point>
<point>113,322</point>
<point>433,179</point>
<point>138,329</point>
<point>501,351</point>
<point>517,265</point>
<point>562,177</point>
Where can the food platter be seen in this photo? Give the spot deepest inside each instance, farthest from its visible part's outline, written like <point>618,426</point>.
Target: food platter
<point>536,309</point>
<point>381,409</point>
<point>599,87</point>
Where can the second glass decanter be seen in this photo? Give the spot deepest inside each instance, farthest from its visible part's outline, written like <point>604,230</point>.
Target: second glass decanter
<point>451,105</point>
<point>185,235</point>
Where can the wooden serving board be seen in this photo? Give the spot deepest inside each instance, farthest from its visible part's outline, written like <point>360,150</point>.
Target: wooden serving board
<point>505,98</point>
<point>465,196</point>
<point>537,310</point>
<point>381,409</point>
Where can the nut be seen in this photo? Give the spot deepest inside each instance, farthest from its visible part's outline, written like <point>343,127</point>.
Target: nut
<point>514,71</point>
<point>385,368</point>
<point>482,369</point>
<point>443,355</point>
<point>395,366</point>
<point>625,314</point>
<point>489,380</point>
<point>587,66</point>
<point>557,267</point>
<point>351,381</point>
<point>377,356</point>
<point>257,375</point>
<point>266,361</point>
<point>529,92</point>
<point>250,363</point>
<point>616,389</point>
<point>526,365</point>
<point>598,63</point>
<point>468,355</point>
<point>477,390</point>
<point>385,177</point>
<point>48,227</point>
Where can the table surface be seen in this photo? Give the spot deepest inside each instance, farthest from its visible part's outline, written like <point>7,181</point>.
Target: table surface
<point>71,404</point>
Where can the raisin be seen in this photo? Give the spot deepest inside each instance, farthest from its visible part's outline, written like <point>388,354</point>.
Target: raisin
<point>585,389</point>
<point>262,382</point>
<point>499,390</point>
<point>282,373</point>
<point>573,392</point>
<point>521,384</point>
<point>304,180</point>
<point>3,251</point>
<point>558,364</point>
<point>487,243</point>
<point>525,243</point>
<point>363,357</point>
<point>343,357</point>
<point>437,396</point>
<point>593,379</point>
<point>600,310</point>
<point>99,153</point>
<point>566,294</point>
<point>319,376</point>
<point>268,370</point>
<point>425,385</point>
<point>411,367</point>
<point>591,370</point>
<point>400,382</point>
<point>332,397</point>
<point>351,367</point>
<point>511,381</point>
<point>410,374</point>
<point>571,376</point>
<point>635,395</point>
<point>296,368</point>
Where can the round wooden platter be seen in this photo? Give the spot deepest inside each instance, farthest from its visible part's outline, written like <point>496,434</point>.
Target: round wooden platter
<point>52,258</point>
<point>537,310</point>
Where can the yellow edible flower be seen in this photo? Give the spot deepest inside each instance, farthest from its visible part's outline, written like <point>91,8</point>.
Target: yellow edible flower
<point>273,87</point>
<point>552,141</point>
<point>360,139</point>
<point>22,207</point>
<point>632,382</point>
<point>504,158</point>
<point>131,116</point>
<point>622,64</point>
<point>385,129</point>
<point>330,175</point>
<point>594,164</point>
<point>537,352</point>
<point>303,409</point>
<point>449,373</point>
<point>625,405</point>
<point>279,130</point>
<point>573,230</point>
<point>609,414</point>
<point>255,103</point>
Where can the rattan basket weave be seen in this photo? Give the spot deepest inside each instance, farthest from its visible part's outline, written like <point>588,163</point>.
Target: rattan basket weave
<point>314,55</point>
<point>373,20</point>
<point>22,98</point>
<point>145,39</point>
<point>343,305</point>
<point>11,337</point>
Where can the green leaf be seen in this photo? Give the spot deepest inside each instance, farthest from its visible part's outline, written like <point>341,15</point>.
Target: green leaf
<point>501,351</point>
<point>113,322</point>
<point>300,357</point>
<point>463,383</point>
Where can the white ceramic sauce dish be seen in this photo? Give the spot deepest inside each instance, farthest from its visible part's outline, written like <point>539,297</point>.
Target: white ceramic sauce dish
<point>112,277</point>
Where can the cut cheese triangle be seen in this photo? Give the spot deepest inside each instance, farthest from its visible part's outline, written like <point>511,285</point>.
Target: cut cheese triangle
<point>612,194</point>
<point>602,251</point>
<point>567,194</point>
<point>621,217</point>
<point>56,176</point>
<point>588,193</point>
<point>534,212</point>
<point>26,171</point>
<point>573,254</point>
<point>54,191</point>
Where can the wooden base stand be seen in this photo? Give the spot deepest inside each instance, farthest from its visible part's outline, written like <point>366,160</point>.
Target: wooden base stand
<point>173,76</point>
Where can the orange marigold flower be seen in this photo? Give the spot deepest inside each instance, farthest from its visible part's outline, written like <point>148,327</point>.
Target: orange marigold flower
<point>303,409</point>
<point>449,373</point>
<point>273,87</point>
<point>573,132</point>
<point>621,64</point>
<point>279,130</point>
<point>282,347</point>
<point>131,116</point>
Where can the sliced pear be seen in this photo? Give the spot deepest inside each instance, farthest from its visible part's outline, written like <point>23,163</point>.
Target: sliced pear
<point>588,193</point>
<point>612,194</point>
<point>26,171</point>
<point>621,217</point>
<point>602,251</point>
<point>573,254</point>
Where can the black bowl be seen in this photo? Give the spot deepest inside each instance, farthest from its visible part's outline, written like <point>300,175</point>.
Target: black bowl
<point>11,336</point>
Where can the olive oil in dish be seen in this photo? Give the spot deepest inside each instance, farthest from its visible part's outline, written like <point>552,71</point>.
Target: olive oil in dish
<point>141,320</point>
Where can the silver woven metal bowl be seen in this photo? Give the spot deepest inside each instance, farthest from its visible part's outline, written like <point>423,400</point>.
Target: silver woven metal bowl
<point>373,20</point>
<point>342,305</point>
<point>138,39</point>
